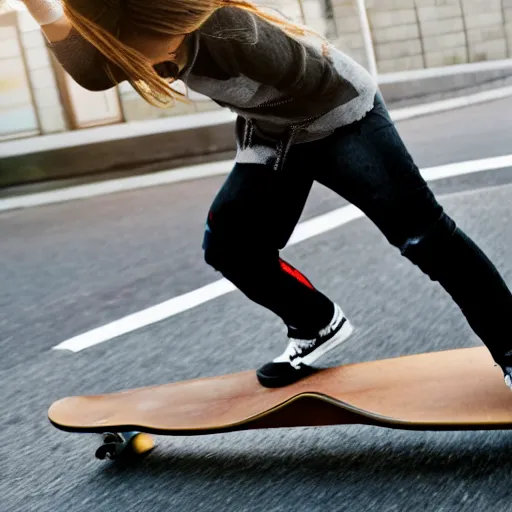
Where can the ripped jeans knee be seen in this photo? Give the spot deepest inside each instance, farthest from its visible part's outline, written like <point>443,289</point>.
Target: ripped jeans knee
<point>429,249</point>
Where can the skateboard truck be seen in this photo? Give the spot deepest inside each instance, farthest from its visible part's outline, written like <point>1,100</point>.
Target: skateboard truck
<point>124,445</point>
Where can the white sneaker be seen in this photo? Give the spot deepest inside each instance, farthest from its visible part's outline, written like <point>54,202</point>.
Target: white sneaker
<point>302,351</point>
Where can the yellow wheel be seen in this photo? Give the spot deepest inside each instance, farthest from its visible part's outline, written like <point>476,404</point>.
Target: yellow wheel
<point>142,443</point>
<point>125,446</point>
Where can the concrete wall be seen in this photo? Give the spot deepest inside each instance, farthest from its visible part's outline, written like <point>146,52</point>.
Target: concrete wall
<point>41,75</point>
<point>507,15</point>
<point>26,66</point>
<point>416,34</point>
<point>407,34</point>
<point>17,114</point>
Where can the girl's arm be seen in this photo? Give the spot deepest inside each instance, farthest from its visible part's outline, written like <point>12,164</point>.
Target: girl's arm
<point>84,63</point>
<point>50,16</point>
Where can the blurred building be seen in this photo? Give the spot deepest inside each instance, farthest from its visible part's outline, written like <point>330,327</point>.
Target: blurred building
<point>38,97</point>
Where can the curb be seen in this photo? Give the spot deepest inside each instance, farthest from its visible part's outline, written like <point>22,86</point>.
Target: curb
<point>217,168</point>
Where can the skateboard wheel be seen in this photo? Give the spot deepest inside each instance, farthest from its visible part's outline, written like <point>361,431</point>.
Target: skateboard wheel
<point>142,443</point>
<point>126,445</point>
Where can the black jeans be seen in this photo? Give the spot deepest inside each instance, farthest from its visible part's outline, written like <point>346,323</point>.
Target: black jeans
<point>257,208</point>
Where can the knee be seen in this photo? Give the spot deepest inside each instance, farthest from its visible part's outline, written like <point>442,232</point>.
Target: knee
<point>214,252</point>
<point>223,248</point>
<point>427,249</point>
<point>237,254</point>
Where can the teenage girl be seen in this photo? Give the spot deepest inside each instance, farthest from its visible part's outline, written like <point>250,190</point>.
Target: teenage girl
<point>306,112</point>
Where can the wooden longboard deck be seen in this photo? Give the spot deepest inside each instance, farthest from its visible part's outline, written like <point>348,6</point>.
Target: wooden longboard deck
<point>448,390</point>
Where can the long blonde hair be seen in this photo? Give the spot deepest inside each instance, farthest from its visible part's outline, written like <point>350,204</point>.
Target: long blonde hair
<point>101,23</point>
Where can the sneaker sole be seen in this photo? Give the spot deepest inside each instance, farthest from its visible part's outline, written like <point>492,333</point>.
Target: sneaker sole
<point>281,380</point>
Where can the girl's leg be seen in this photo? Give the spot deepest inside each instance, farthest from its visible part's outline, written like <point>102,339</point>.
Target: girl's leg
<point>368,164</point>
<point>250,220</point>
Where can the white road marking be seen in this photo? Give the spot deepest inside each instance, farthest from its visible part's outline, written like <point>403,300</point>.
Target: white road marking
<point>323,223</point>
<point>186,173</point>
<point>469,167</point>
<point>304,231</point>
<point>148,316</point>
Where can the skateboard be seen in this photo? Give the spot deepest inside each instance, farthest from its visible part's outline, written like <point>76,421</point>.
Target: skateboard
<point>448,390</point>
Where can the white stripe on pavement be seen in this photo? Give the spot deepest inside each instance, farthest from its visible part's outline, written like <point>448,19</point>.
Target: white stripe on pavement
<point>471,166</point>
<point>148,316</point>
<point>304,231</point>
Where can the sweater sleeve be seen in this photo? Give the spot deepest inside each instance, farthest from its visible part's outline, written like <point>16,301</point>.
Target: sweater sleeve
<point>84,63</point>
<point>245,44</point>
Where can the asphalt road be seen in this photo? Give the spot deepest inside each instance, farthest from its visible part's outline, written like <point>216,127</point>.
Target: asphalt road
<point>72,267</point>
